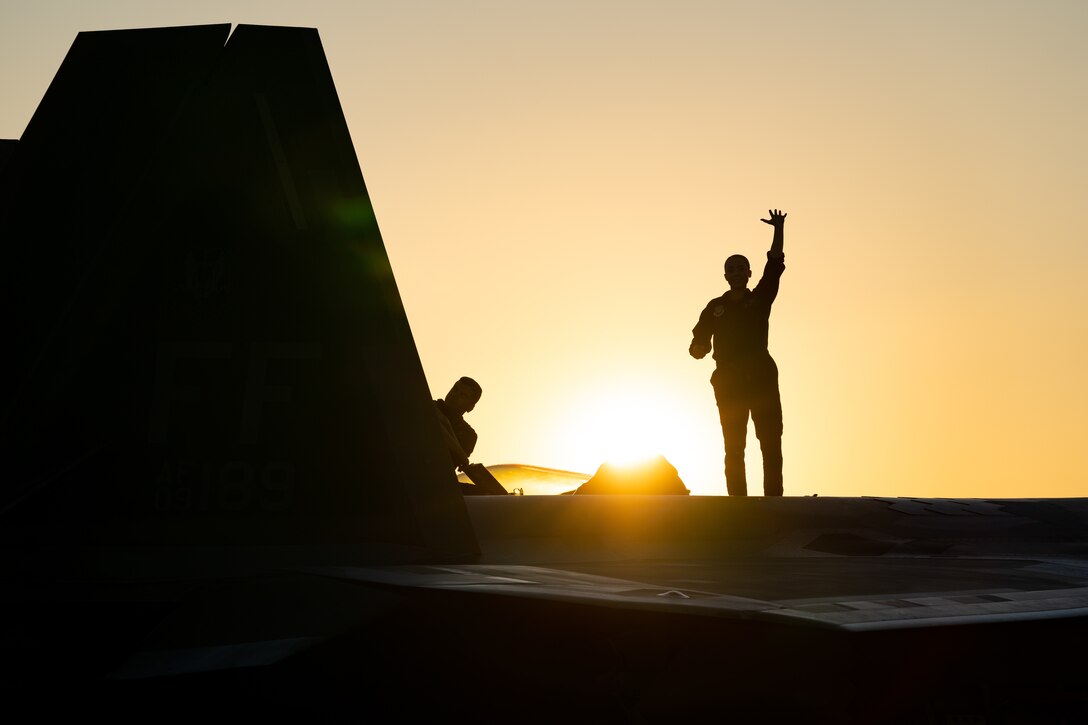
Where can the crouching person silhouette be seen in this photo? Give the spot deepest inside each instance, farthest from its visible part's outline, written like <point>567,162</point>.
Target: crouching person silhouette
<point>459,436</point>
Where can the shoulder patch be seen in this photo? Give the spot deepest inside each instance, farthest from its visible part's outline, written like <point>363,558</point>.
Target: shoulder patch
<point>718,310</point>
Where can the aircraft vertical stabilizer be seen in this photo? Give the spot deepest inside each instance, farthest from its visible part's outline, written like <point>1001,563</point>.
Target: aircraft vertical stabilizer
<point>212,347</point>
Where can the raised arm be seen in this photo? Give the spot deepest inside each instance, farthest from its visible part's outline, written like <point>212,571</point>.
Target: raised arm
<point>778,221</point>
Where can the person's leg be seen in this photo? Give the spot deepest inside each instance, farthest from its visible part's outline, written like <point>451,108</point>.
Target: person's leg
<point>767,417</point>
<point>734,420</point>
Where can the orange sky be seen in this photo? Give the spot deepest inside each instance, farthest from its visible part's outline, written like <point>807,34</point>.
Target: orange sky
<point>558,184</point>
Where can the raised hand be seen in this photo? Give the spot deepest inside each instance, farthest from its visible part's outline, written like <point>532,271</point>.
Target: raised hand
<point>778,218</point>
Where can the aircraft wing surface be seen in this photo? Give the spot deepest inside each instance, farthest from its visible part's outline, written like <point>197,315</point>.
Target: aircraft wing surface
<point>843,563</point>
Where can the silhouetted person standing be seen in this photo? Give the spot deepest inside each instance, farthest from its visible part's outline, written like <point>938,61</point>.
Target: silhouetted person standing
<point>745,377</point>
<point>459,435</point>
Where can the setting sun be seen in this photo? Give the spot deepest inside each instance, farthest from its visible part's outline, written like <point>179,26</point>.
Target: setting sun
<point>631,420</point>
<point>621,424</point>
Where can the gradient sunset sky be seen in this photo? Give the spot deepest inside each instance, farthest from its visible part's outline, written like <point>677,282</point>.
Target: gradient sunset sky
<point>558,184</point>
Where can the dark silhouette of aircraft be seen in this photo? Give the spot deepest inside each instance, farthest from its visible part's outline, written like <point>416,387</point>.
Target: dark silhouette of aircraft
<point>226,493</point>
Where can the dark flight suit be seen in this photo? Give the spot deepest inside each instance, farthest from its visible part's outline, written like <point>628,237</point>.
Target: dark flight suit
<point>464,432</point>
<point>745,378</point>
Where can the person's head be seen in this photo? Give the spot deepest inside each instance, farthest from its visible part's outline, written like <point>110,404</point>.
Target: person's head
<point>737,271</point>
<point>464,395</point>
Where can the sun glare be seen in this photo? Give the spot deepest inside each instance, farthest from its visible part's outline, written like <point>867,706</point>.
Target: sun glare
<point>618,429</point>
<point>624,425</point>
